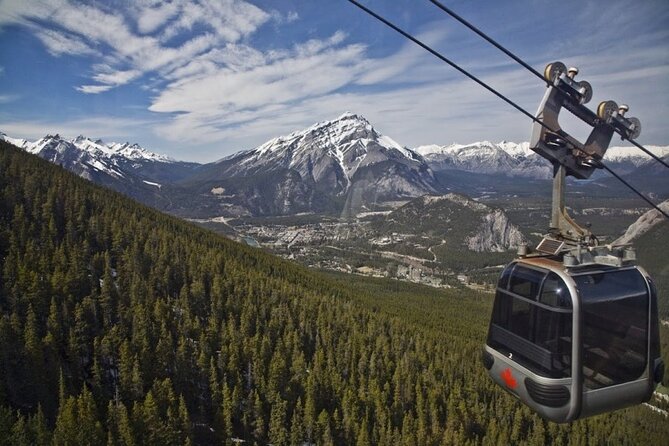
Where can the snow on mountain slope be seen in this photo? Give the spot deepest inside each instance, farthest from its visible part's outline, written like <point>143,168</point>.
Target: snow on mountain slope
<point>80,155</point>
<point>330,152</point>
<point>513,159</point>
<point>343,162</point>
<point>633,155</point>
<point>95,148</point>
<point>485,157</point>
<point>22,143</point>
<point>127,168</point>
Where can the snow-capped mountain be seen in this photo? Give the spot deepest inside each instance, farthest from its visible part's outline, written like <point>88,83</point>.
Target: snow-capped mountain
<point>344,164</point>
<point>633,155</point>
<point>517,160</point>
<point>124,150</point>
<point>487,158</point>
<point>126,168</point>
<point>81,156</point>
<point>341,166</point>
<point>22,143</point>
<point>93,158</point>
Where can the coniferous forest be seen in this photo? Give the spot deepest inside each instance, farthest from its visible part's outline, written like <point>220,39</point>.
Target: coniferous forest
<point>123,326</point>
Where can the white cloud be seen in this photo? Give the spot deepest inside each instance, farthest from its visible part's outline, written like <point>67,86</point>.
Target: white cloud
<point>292,16</point>
<point>58,43</point>
<point>134,49</point>
<point>281,19</point>
<point>219,97</point>
<point>153,17</point>
<point>94,89</point>
<point>229,19</point>
<point>112,78</point>
<point>413,116</point>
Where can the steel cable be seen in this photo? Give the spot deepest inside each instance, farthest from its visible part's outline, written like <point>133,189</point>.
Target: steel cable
<point>496,93</point>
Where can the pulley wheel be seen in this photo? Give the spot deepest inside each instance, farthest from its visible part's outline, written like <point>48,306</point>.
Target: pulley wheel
<point>553,71</point>
<point>606,109</point>
<point>635,129</point>
<point>587,93</point>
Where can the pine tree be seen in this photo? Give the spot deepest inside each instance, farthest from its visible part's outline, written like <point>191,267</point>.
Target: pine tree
<point>184,420</point>
<point>20,434</point>
<point>89,428</point>
<point>278,434</point>
<point>297,433</point>
<point>67,428</point>
<point>6,424</point>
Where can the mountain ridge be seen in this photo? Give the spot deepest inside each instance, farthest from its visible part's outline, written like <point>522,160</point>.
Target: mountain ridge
<point>517,159</point>
<point>341,167</point>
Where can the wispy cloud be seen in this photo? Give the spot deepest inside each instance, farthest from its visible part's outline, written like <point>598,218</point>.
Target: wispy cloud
<point>58,43</point>
<point>72,29</point>
<point>93,89</point>
<point>220,97</point>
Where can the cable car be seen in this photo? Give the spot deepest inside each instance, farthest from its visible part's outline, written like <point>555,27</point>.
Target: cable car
<point>573,341</point>
<point>574,330</point>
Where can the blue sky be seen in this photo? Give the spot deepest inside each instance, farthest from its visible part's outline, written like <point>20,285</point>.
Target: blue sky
<point>198,80</point>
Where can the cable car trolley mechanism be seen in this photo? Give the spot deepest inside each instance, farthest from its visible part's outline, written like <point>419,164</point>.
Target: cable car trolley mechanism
<point>574,328</point>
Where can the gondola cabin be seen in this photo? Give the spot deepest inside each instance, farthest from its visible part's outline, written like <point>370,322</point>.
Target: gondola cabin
<point>574,341</point>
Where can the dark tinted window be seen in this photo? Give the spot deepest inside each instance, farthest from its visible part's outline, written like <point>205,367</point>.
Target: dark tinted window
<point>555,292</point>
<point>536,337</point>
<point>526,282</point>
<point>503,281</point>
<point>610,285</point>
<point>615,326</point>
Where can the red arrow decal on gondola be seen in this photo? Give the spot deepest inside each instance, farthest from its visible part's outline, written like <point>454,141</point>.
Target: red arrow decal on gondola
<point>508,378</point>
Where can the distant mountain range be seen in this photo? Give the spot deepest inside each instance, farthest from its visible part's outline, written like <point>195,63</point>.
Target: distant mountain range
<point>124,167</point>
<point>341,167</point>
<point>518,160</point>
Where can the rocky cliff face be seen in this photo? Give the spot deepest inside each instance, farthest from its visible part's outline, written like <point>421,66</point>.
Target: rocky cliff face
<point>495,234</point>
<point>462,222</point>
<point>644,224</point>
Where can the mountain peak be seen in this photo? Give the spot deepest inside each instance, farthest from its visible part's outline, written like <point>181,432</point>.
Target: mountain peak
<point>347,115</point>
<point>328,156</point>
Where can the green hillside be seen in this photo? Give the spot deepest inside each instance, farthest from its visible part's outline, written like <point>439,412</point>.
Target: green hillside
<point>120,325</point>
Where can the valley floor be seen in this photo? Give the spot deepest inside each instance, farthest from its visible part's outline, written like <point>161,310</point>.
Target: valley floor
<point>358,246</point>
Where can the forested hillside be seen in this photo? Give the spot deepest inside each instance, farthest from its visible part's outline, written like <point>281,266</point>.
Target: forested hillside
<point>120,325</point>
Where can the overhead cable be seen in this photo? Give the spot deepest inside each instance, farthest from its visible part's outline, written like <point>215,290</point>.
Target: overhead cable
<point>657,208</point>
<point>454,65</point>
<point>487,38</point>
<point>500,47</point>
<point>495,92</point>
